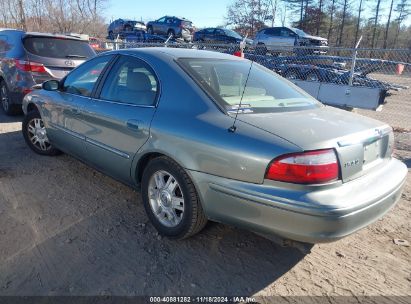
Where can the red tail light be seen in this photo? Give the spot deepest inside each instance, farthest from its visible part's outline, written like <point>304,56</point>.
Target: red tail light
<point>29,66</point>
<point>313,167</point>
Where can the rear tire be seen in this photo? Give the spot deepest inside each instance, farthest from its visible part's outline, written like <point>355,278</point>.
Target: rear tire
<point>35,135</point>
<point>5,98</point>
<point>171,200</point>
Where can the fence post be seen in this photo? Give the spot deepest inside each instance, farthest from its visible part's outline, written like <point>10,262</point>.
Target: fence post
<point>354,58</point>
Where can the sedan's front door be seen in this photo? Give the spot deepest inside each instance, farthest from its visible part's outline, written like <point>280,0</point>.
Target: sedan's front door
<point>118,119</point>
<point>63,116</point>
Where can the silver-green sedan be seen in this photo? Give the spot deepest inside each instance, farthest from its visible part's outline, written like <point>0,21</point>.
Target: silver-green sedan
<point>212,136</point>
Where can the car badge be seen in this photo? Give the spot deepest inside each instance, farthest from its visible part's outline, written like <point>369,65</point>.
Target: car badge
<point>69,62</point>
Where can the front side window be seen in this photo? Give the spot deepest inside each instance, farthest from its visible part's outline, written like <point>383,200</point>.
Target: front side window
<point>130,81</point>
<point>81,81</point>
<point>259,90</point>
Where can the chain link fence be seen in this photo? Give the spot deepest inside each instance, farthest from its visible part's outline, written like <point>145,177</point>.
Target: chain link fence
<point>325,69</point>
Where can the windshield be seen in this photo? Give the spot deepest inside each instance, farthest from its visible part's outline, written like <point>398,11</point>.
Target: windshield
<point>58,47</point>
<point>263,92</point>
<point>233,34</point>
<point>300,32</point>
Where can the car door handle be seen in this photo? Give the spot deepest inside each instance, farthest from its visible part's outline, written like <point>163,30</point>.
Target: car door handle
<point>133,124</point>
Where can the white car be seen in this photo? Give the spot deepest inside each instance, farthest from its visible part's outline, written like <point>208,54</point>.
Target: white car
<point>275,39</point>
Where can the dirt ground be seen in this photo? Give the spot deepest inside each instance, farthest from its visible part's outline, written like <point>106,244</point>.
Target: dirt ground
<point>66,229</point>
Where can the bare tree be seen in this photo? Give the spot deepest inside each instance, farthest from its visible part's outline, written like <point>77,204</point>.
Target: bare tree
<point>249,15</point>
<point>330,28</point>
<point>403,10</point>
<point>273,4</point>
<point>320,7</point>
<point>377,11</point>
<point>357,29</point>
<point>80,16</point>
<point>388,25</point>
<point>344,14</point>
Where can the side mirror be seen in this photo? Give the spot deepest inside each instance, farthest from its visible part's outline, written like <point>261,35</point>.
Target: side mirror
<point>51,85</point>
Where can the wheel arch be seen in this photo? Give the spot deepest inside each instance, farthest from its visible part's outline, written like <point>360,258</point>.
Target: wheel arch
<point>142,160</point>
<point>31,106</point>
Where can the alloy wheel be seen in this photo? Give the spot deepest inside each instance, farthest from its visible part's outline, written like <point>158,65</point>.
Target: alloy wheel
<point>166,198</point>
<point>37,134</point>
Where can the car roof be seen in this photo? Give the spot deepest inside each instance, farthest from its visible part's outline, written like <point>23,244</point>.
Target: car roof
<point>175,17</point>
<point>177,53</point>
<point>38,34</point>
<point>125,19</point>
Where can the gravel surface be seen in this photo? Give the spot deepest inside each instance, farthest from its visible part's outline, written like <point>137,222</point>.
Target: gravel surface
<point>66,229</point>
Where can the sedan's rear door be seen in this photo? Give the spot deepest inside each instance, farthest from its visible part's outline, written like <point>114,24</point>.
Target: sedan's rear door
<point>118,118</point>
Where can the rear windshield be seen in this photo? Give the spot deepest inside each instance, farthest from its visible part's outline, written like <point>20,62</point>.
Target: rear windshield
<point>259,90</point>
<point>58,47</point>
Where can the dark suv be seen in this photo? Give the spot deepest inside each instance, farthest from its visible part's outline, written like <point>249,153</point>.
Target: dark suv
<point>27,59</point>
<point>219,35</point>
<point>171,26</point>
<point>122,27</point>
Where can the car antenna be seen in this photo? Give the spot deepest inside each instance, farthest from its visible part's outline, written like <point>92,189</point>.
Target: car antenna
<point>233,127</point>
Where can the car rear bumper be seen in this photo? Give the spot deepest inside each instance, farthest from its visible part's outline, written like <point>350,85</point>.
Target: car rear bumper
<point>315,216</point>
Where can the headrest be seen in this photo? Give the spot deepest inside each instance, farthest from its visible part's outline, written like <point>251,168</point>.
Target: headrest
<point>138,81</point>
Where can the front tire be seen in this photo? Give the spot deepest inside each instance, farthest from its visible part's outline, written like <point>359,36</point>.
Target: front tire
<point>171,200</point>
<point>35,135</point>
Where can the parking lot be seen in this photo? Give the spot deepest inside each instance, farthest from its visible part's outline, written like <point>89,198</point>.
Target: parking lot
<point>66,229</point>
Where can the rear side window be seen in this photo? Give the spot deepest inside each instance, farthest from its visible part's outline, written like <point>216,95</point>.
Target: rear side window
<point>130,81</point>
<point>82,80</point>
<point>239,83</point>
<point>58,47</point>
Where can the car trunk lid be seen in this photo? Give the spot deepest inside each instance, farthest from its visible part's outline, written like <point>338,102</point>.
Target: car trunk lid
<point>360,143</point>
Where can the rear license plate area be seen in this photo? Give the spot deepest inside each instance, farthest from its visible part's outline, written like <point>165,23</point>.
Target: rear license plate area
<point>372,152</point>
